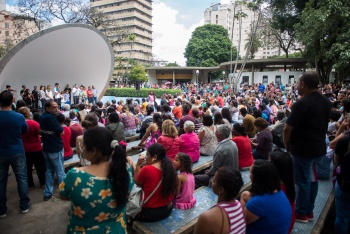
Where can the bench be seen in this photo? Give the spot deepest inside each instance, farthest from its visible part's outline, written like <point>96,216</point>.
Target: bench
<point>203,163</point>
<point>323,204</point>
<point>183,221</point>
<point>73,162</point>
<point>132,138</point>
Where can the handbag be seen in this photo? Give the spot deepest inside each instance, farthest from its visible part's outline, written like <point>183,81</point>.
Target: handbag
<point>136,201</point>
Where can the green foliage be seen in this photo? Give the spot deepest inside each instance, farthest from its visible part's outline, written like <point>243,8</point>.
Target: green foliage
<point>324,31</point>
<point>256,44</point>
<point>138,73</point>
<point>172,65</point>
<point>142,93</point>
<point>209,46</point>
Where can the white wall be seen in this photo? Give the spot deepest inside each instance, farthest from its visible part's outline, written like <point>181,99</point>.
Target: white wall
<point>258,76</point>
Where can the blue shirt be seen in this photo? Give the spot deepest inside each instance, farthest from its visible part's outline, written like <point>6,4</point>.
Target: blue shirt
<point>12,125</point>
<point>50,132</point>
<point>274,212</point>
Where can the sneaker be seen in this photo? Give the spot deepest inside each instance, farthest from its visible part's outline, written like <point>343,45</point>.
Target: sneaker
<point>301,218</point>
<point>3,215</point>
<point>310,216</point>
<point>26,210</point>
<point>46,198</point>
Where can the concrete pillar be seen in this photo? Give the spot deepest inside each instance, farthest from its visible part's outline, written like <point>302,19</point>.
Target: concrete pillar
<point>173,77</point>
<point>252,74</point>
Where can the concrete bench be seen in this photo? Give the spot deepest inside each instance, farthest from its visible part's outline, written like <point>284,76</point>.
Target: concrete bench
<point>323,204</point>
<point>183,221</point>
<point>73,162</point>
<point>203,163</point>
<point>132,138</point>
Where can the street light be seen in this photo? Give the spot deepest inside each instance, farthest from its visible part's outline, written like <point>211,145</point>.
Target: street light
<point>223,73</point>
<point>197,73</point>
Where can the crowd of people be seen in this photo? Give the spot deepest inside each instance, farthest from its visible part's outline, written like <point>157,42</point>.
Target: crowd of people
<point>279,133</point>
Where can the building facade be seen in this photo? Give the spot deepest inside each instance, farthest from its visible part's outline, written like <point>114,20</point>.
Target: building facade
<point>135,16</point>
<point>224,15</point>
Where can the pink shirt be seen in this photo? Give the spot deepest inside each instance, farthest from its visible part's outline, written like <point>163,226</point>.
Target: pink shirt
<point>189,144</point>
<point>185,200</point>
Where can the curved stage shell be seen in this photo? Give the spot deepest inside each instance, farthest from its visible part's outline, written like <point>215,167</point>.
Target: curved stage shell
<point>65,54</point>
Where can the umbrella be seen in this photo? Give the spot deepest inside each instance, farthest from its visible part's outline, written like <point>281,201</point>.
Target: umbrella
<point>168,83</point>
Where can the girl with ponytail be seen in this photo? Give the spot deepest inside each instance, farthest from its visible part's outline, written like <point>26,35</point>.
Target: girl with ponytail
<point>158,169</point>
<point>98,192</point>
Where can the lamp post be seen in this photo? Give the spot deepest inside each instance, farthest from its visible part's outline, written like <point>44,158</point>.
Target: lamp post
<point>197,73</point>
<point>223,73</point>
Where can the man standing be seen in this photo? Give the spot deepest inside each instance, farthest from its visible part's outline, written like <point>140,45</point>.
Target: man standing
<point>76,93</point>
<point>57,95</point>
<point>226,154</point>
<point>51,133</point>
<point>94,91</point>
<point>12,125</point>
<point>24,88</point>
<point>35,95</point>
<point>304,136</point>
<point>69,92</point>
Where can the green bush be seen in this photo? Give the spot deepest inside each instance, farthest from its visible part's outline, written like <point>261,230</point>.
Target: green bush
<point>142,93</point>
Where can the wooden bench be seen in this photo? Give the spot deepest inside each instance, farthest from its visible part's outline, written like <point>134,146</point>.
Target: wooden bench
<point>183,221</point>
<point>323,204</point>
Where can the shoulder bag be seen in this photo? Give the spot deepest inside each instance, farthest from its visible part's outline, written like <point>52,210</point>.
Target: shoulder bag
<point>135,201</point>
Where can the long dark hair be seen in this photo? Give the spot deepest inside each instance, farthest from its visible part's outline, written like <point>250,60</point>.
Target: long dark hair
<point>168,171</point>
<point>186,162</point>
<point>226,114</point>
<point>265,178</point>
<point>218,118</point>
<point>284,164</point>
<point>157,118</point>
<point>100,139</point>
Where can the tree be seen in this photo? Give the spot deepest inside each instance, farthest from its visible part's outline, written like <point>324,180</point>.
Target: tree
<point>324,31</point>
<point>253,41</point>
<point>174,64</point>
<point>138,73</point>
<point>208,46</point>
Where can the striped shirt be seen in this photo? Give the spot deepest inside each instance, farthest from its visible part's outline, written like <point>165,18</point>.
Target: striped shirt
<point>235,216</point>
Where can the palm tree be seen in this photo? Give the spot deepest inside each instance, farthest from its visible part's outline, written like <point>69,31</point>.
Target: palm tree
<point>253,42</point>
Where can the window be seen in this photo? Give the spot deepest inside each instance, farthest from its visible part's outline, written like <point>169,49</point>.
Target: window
<point>7,33</point>
<point>6,25</point>
<point>246,79</point>
<point>291,79</point>
<point>265,79</point>
<point>278,80</point>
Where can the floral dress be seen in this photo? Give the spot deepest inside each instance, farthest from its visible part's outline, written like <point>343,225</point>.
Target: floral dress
<point>93,205</point>
<point>209,142</point>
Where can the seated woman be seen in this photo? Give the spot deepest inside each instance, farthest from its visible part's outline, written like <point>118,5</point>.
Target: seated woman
<point>158,169</point>
<point>207,138</point>
<point>129,120</point>
<point>169,139</point>
<point>189,142</point>
<point>227,215</point>
<point>260,210</point>
<point>284,164</point>
<point>116,127</point>
<point>263,142</point>
<point>98,193</point>
<point>245,154</point>
<point>153,132</point>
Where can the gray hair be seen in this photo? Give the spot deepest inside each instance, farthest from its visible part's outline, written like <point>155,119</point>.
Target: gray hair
<point>66,107</point>
<point>189,125</point>
<point>224,130</point>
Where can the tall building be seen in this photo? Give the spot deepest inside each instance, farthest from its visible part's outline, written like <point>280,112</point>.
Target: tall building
<point>135,16</point>
<point>2,5</point>
<point>223,14</point>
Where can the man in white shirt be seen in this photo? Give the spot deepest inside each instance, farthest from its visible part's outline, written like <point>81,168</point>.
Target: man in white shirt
<point>75,92</point>
<point>57,95</point>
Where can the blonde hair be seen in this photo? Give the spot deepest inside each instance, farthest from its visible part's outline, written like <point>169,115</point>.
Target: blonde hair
<point>169,129</point>
<point>189,126</point>
<point>25,111</point>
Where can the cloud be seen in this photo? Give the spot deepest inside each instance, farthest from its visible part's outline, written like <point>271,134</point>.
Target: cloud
<point>169,37</point>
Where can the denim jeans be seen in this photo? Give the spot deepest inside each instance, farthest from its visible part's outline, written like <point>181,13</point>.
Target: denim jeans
<point>305,176</point>
<point>19,167</point>
<point>54,163</point>
<point>342,207</point>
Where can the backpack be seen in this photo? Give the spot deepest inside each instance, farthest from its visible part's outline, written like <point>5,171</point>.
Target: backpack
<point>343,178</point>
<point>277,140</point>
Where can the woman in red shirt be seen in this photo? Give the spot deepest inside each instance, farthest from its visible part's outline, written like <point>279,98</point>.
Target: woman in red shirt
<point>33,149</point>
<point>68,151</point>
<point>157,169</point>
<point>90,95</point>
<point>245,155</point>
<point>169,139</point>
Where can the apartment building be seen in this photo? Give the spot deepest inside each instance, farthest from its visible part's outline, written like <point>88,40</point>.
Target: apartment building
<point>136,17</point>
<point>14,28</point>
<point>223,14</point>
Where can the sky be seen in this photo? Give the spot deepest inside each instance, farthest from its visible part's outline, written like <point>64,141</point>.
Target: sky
<point>173,24</point>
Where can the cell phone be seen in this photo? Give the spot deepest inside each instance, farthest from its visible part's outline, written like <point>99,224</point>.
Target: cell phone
<point>156,136</point>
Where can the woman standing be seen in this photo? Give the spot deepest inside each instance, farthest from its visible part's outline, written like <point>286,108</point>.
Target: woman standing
<point>33,149</point>
<point>189,142</point>
<point>158,170</point>
<point>151,98</point>
<point>49,95</point>
<point>98,193</point>
<point>263,142</point>
<point>42,93</point>
<point>207,137</point>
<point>169,139</point>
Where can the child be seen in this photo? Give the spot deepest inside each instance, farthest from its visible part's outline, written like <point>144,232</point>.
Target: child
<point>185,186</point>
